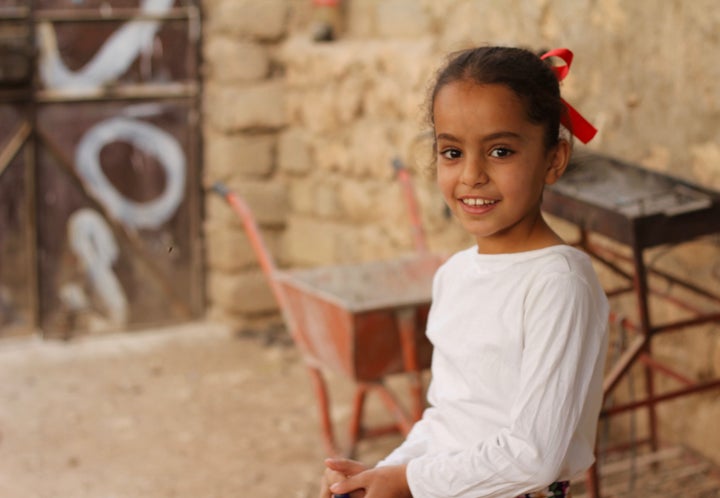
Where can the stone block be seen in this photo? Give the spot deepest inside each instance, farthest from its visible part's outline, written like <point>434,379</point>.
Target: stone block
<point>230,60</point>
<point>336,154</point>
<point>326,200</point>
<point>228,249</point>
<point>246,292</point>
<point>294,155</point>
<point>262,20</point>
<point>300,193</point>
<point>267,200</point>
<point>237,108</point>
<point>317,111</point>
<point>362,18</point>
<point>359,199</point>
<point>402,18</point>
<point>309,241</point>
<point>316,196</point>
<point>237,155</point>
<point>218,211</point>
<point>375,161</point>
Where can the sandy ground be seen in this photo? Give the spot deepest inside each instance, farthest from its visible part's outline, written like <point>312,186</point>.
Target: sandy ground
<point>185,412</point>
<point>199,412</point>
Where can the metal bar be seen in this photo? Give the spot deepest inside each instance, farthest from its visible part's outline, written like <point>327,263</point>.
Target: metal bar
<point>623,364</point>
<point>402,420</point>
<point>691,322</point>
<point>31,236</point>
<point>687,285</point>
<point>21,94</point>
<point>14,13</point>
<point>406,325</point>
<point>623,447</point>
<point>411,204</point>
<point>624,322</point>
<point>326,427</point>
<point>110,15</point>
<point>618,291</point>
<point>355,429</point>
<point>194,147</point>
<point>262,253</point>
<point>660,367</point>
<point>14,145</point>
<point>592,481</point>
<point>595,249</point>
<point>607,412</point>
<point>602,254</point>
<point>174,90</point>
<point>641,286</point>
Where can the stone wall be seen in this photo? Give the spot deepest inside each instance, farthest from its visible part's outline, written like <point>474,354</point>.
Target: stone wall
<point>307,131</point>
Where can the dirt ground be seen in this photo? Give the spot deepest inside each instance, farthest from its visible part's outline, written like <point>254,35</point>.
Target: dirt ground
<point>198,411</point>
<point>184,412</point>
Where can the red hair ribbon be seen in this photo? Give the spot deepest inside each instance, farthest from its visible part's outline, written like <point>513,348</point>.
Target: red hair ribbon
<point>578,125</point>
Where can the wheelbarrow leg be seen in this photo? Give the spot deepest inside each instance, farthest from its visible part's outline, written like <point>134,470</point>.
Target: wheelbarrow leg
<point>321,394</point>
<point>355,428</point>
<point>406,325</point>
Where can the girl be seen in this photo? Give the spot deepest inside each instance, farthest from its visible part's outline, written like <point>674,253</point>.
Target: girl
<point>518,321</point>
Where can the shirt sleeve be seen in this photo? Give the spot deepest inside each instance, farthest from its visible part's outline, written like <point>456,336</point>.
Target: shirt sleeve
<point>415,445</point>
<point>563,346</point>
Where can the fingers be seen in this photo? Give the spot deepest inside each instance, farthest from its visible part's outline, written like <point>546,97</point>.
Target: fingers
<point>345,466</point>
<point>337,471</point>
<point>329,477</point>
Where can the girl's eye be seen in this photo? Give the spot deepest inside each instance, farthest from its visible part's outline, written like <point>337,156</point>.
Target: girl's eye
<point>500,152</point>
<point>451,153</point>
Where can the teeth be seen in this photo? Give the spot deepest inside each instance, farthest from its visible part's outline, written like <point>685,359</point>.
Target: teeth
<point>477,202</point>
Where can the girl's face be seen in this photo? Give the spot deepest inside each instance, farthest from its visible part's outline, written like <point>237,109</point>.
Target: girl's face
<point>492,166</point>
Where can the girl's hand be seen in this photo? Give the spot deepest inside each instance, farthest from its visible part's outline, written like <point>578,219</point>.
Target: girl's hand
<point>380,482</point>
<point>338,470</point>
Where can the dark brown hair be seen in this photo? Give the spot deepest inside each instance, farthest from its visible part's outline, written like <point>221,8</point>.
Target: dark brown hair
<point>528,76</point>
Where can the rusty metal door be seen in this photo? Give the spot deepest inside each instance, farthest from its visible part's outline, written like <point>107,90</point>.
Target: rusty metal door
<point>99,191</point>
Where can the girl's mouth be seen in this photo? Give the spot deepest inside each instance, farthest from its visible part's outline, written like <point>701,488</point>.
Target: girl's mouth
<point>474,201</point>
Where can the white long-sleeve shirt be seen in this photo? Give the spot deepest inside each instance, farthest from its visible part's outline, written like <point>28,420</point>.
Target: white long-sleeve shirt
<point>519,348</point>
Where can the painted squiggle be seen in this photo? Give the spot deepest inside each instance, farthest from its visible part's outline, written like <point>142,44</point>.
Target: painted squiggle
<point>110,62</point>
<point>93,243</point>
<point>152,140</point>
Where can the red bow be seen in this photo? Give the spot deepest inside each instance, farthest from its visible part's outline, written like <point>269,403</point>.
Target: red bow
<point>573,121</point>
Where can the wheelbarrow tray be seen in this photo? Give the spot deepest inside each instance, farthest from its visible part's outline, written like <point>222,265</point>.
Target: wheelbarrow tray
<point>346,315</point>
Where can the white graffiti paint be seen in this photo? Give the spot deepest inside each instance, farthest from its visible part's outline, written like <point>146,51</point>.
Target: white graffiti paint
<point>90,236</point>
<point>150,139</point>
<point>92,241</point>
<point>112,59</point>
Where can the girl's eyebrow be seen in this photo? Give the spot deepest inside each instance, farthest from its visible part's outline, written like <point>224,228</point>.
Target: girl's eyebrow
<point>446,136</point>
<point>502,134</point>
<point>486,138</point>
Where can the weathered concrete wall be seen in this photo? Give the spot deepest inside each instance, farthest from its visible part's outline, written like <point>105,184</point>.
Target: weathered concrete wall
<point>307,130</point>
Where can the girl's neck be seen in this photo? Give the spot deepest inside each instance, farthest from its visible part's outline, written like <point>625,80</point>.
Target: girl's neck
<point>539,236</point>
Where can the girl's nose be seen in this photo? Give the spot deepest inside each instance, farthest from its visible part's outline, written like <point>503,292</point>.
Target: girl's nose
<point>474,172</point>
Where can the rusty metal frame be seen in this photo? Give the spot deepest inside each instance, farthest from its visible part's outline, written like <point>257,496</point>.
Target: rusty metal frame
<point>641,233</point>
<point>404,315</point>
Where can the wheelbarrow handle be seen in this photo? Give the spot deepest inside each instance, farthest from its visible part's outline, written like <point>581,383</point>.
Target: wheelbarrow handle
<point>221,189</point>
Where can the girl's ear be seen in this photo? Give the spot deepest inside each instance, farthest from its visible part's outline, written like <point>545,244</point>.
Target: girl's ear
<point>558,158</point>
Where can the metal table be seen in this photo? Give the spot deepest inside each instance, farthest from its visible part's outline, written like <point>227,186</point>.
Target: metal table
<point>640,209</point>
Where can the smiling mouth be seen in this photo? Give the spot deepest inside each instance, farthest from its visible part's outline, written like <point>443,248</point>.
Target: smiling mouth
<point>478,202</point>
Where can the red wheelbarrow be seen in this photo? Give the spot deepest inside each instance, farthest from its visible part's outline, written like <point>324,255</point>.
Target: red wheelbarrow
<point>365,321</point>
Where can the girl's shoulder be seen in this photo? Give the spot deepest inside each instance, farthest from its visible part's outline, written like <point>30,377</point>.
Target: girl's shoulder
<point>557,258</point>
